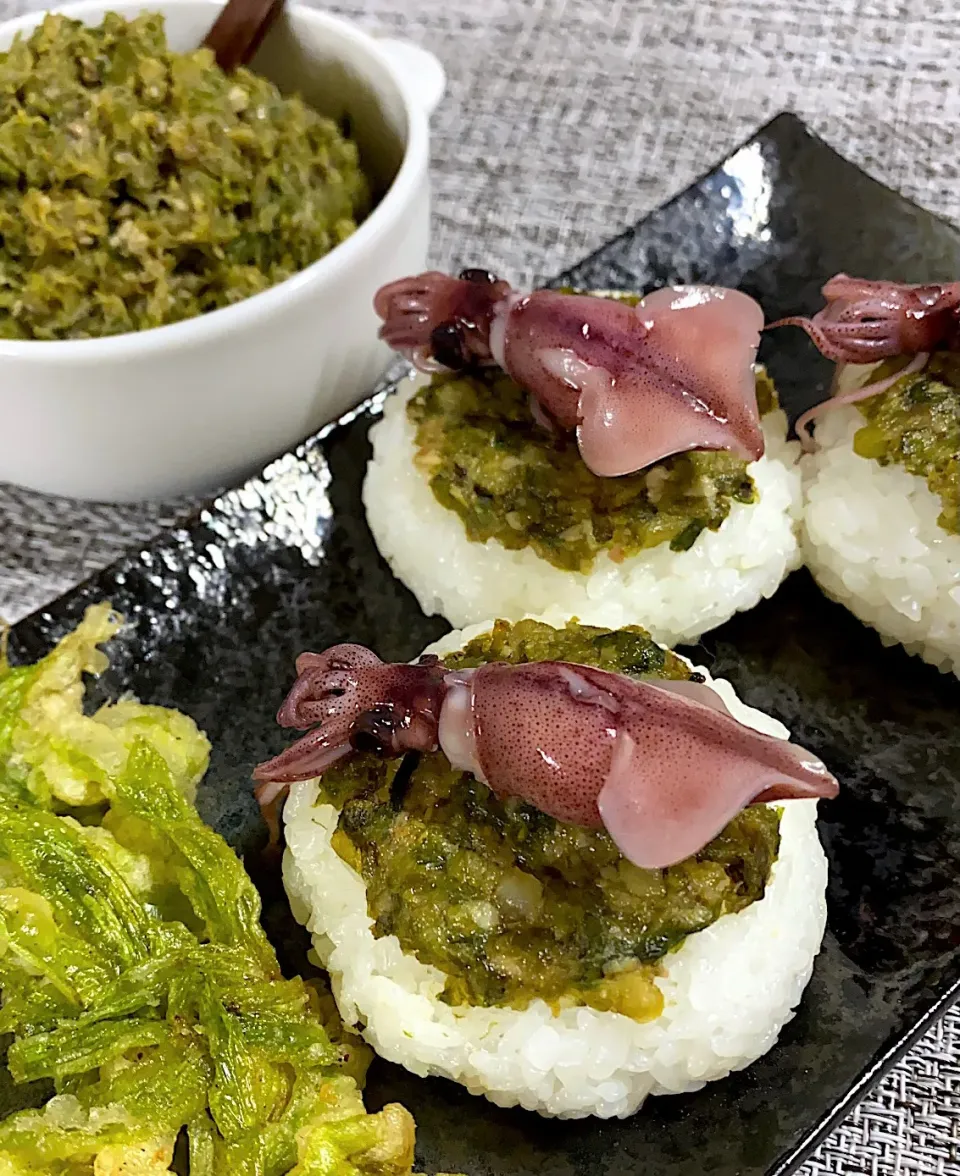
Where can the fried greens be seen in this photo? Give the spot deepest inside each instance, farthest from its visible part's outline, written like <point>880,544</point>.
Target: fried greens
<point>137,983</point>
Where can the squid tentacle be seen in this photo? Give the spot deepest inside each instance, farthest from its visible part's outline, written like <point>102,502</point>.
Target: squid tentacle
<point>824,343</point>
<point>636,384</point>
<point>874,388</point>
<point>866,321</point>
<point>662,766</point>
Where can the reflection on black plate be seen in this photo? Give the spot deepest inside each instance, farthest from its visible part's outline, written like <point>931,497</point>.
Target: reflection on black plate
<point>221,608</point>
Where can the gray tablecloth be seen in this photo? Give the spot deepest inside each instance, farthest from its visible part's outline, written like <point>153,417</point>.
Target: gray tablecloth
<point>564,122</point>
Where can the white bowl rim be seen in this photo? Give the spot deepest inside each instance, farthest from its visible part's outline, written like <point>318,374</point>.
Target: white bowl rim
<point>267,303</point>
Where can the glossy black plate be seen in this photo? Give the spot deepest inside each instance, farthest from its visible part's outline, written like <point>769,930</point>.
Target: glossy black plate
<point>220,608</point>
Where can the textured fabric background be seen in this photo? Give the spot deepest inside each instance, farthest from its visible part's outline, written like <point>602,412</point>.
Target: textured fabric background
<point>563,123</point>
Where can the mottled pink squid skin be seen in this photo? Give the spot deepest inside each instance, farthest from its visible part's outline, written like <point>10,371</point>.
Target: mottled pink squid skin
<point>662,766</point>
<point>866,321</point>
<point>637,384</point>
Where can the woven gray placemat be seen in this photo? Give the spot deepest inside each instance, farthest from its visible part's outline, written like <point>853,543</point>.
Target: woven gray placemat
<point>564,122</point>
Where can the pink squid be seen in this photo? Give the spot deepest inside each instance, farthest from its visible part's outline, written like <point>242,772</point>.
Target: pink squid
<point>636,384</point>
<point>661,765</point>
<point>867,321</point>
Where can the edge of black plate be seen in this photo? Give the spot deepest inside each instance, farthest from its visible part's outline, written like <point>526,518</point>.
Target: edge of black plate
<point>787,117</point>
<point>792,1160</point>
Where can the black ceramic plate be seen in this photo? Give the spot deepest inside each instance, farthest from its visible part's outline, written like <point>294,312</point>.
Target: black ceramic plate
<point>220,609</point>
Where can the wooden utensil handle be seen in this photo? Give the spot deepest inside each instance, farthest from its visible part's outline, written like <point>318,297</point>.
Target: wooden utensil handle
<point>239,30</point>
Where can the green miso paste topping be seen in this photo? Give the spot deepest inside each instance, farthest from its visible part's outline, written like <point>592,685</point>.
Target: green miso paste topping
<point>139,186</point>
<point>510,480</point>
<point>513,905</point>
<point>916,423</point>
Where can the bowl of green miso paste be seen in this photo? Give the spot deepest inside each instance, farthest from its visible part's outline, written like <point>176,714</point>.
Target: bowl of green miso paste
<point>188,254</point>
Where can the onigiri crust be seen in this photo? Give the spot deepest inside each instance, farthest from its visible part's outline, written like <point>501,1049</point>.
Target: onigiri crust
<point>727,991</point>
<point>677,596</point>
<point>871,539</point>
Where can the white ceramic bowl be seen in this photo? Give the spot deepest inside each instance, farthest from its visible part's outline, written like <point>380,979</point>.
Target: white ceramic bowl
<point>196,405</point>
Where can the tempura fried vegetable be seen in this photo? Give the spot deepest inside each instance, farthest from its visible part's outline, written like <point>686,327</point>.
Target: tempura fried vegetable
<point>135,975</point>
<point>52,754</point>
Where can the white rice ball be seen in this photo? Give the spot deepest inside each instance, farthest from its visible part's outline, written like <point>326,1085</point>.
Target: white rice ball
<point>728,990</point>
<point>872,541</point>
<point>676,595</point>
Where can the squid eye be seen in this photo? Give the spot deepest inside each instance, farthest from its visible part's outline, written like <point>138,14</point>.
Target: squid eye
<point>366,743</point>
<point>374,731</point>
<point>446,344</point>
<point>485,277</point>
